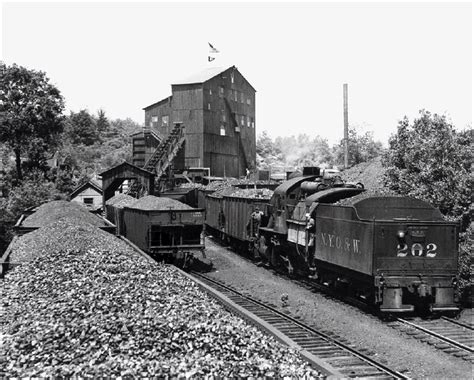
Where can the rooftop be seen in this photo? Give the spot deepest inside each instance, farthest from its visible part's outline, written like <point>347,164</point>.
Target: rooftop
<point>202,76</point>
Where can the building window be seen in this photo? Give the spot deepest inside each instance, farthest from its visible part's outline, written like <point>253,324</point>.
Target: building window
<point>248,121</point>
<point>165,121</point>
<point>249,101</point>
<point>253,124</point>
<point>210,91</point>
<point>88,201</point>
<point>209,106</point>
<point>236,94</point>
<point>242,120</point>
<point>221,91</point>
<point>224,118</point>
<point>154,119</point>
<point>222,130</point>
<point>232,77</point>
<point>242,97</point>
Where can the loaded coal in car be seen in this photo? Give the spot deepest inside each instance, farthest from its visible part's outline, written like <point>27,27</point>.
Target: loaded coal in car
<point>86,304</point>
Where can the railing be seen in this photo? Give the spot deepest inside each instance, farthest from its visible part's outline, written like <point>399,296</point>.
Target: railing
<point>161,157</point>
<point>166,151</point>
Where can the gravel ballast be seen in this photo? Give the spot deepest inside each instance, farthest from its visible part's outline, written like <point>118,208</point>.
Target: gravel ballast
<point>387,345</point>
<point>103,310</point>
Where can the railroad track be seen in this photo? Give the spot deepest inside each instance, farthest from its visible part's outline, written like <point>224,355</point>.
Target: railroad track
<point>336,357</point>
<point>447,334</point>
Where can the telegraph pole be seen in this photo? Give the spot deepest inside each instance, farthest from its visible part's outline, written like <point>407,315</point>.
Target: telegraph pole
<point>346,129</point>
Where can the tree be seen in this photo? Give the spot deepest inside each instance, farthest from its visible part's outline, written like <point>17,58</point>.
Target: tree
<point>30,111</point>
<point>267,151</point>
<point>430,160</point>
<point>102,122</point>
<point>362,148</point>
<point>81,128</point>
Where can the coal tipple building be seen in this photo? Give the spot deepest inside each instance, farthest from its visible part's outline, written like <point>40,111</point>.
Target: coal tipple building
<point>217,109</point>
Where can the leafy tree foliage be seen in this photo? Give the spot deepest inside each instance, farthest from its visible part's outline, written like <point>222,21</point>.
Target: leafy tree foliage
<point>81,128</point>
<point>430,160</point>
<point>83,156</point>
<point>102,121</point>
<point>34,189</point>
<point>267,152</point>
<point>303,150</point>
<point>362,148</point>
<point>30,113</point>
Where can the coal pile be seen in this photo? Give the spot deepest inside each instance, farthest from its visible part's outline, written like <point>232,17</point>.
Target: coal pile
<point>150,202</point>
<point>232,182</point>
<point>55,210</point>
<point>121,200</point>
<point>369,173</point>
<point>191,186</point>
<point>220,193</point>
<point>103,310</point>
<point>66,233</point>
<point>366,194</point>
<point>253,193</point>
<point>217,185</point>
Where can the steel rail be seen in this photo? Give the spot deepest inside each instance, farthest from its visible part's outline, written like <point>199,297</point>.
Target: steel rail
<point>436,335</point>
<point>301,340</point>
<point>470,327</point>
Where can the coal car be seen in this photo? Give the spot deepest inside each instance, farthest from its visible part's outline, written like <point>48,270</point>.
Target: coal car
<point>166,229</point>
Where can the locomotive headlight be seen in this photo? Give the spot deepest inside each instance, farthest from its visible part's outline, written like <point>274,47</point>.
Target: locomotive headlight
<point>401,234</point>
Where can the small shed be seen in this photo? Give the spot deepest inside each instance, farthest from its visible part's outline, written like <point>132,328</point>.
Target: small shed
<point>88,194</point>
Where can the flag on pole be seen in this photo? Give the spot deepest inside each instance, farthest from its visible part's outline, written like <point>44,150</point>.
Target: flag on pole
<point>213,49</point>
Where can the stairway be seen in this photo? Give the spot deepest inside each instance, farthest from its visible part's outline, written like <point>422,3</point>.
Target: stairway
<point>161,157</point>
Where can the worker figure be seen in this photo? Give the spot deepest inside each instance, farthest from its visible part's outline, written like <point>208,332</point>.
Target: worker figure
<point>255,220</point>
<point>310,229</point>
<point>247,173</point>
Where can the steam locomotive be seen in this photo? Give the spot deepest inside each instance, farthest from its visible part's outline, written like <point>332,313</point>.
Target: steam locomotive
<point>394,252</point>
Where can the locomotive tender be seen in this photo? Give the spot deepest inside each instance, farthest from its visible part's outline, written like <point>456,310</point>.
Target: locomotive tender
<point>395,252</point>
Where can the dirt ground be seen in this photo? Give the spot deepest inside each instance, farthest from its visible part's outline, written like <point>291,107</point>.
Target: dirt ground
<point>407,355</point>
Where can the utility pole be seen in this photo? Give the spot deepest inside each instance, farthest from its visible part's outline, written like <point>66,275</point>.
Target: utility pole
<point>346,129</point>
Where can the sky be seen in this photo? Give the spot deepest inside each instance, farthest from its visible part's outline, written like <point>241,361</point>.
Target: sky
<point>397,58</point>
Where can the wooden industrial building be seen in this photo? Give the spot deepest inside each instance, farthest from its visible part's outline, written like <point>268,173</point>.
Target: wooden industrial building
<point>88,194</point>
<point>216,107</point>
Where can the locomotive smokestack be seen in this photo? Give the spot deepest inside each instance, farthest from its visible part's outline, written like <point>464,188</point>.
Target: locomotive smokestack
<point>346,129</point>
